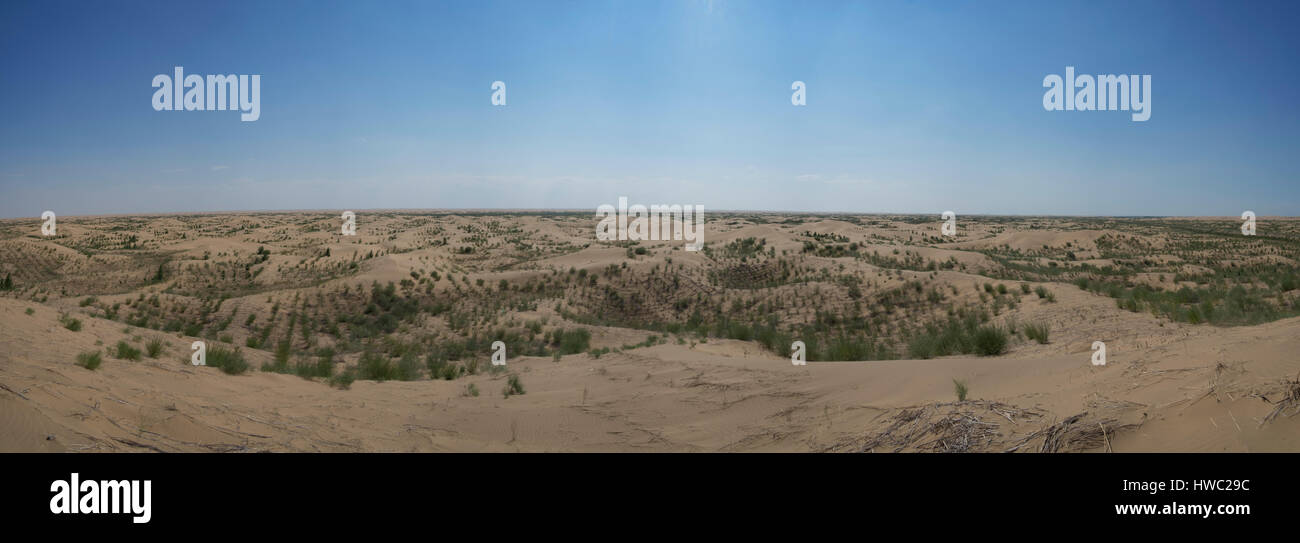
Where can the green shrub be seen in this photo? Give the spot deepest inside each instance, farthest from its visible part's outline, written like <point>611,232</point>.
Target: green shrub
<point>230,361</point>
<point>307,369</point>
<point>374,366</point>
<point>408,367</point>
<point>471,390</point>
<point>89,360</point>
<point>1038,332</point>
<point>343,380</point>
<point>990,340</point>
<point>440,368</point>
<point>154,347</point>
<point>574,341</point>
<point>282,352</point>
<point>125,351</point>
<point>70,323</point>
<point>959,387</point>
<point>513,386</point>
<point>922,346</point>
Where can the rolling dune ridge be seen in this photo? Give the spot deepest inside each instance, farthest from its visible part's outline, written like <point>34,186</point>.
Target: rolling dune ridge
<point>679,351</point>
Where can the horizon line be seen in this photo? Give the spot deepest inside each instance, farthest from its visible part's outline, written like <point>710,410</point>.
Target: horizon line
<point>526,211</point>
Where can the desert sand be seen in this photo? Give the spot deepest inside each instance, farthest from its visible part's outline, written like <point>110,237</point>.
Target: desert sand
<point>1169,384</point>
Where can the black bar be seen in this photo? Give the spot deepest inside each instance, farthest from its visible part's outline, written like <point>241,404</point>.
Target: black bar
<point>315,492</point>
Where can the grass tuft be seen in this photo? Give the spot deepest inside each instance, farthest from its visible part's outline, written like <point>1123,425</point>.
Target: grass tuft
<point>125,351</point>
<point>959,387</point>
<point>990,340</point>
<point>89,360</point>
<point>1038,332</point>
<point>230,361</point>
<point>154,347</point>
<point>513,386</point>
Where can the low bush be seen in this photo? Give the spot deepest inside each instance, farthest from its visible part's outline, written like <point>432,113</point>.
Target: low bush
<point>230,361</point>
<point>90,360</point>
<point>990,340</point>
<point>513,386</point>
<point>1038,332</point>
<point>154,347</point>
<point>125,351</point>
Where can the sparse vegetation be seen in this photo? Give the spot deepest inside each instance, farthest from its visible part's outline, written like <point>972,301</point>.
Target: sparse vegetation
<point>513,386</point>
<point>990,340</point>
<point>70,323</point>
<point>343,380</point>
<point>1038,332</point>
<point>228,360</point>
<point>125,351</point>
<point>89,360</point>
<point>865,295</point>
<point>154,347</point>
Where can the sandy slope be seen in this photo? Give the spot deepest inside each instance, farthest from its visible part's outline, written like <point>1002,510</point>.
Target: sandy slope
<point>1192,389</point>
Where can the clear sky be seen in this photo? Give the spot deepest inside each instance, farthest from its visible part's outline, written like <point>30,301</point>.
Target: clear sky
<point>911,106</point>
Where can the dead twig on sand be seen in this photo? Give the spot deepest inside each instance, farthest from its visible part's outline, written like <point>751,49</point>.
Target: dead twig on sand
<point>1290,401</point>
<point>967,426</point>
<point>1073,435</point>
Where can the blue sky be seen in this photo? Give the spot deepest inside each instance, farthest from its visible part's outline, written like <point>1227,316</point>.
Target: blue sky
<point>911,106</point>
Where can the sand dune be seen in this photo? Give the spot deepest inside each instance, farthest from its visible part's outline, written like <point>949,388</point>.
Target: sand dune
<point>1208,391</point>
<point>664,367</point>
